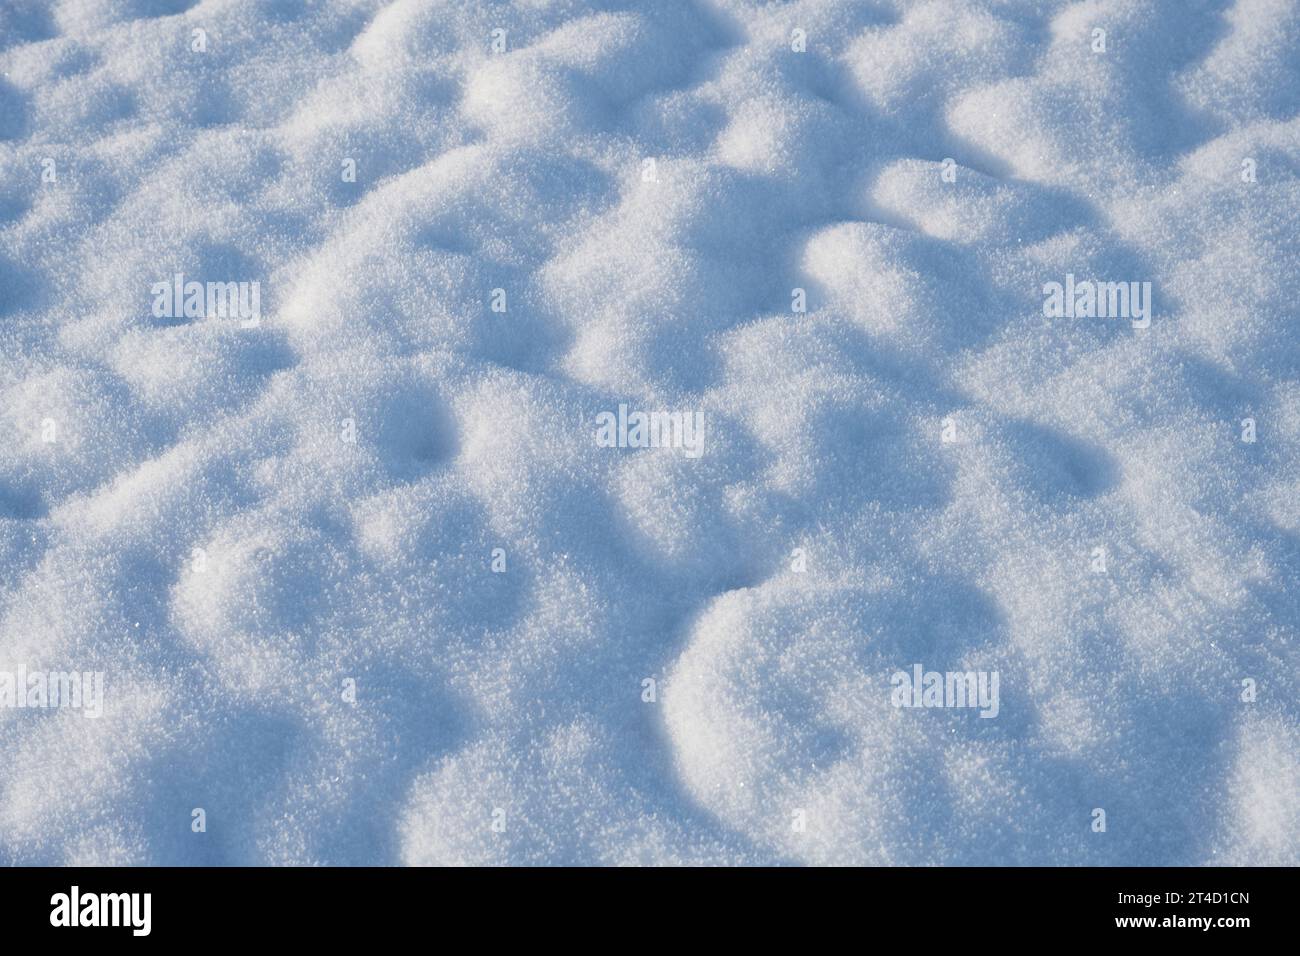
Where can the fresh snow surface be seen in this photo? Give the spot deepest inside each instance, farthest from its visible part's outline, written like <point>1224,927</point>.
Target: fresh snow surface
<point>276,540</point>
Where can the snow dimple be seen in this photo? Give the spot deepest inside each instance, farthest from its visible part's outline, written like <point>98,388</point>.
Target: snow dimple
<point>366,587</point>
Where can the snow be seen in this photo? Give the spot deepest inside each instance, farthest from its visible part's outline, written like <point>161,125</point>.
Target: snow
<point>365,587</point>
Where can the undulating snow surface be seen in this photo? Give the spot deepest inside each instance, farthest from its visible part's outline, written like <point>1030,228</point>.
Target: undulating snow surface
<point>276,539</point>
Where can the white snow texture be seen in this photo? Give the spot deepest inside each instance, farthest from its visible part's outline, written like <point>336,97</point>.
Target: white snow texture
<point>277,540</point>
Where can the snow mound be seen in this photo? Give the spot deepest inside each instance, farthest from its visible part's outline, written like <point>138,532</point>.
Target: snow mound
<point>367,585</point>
